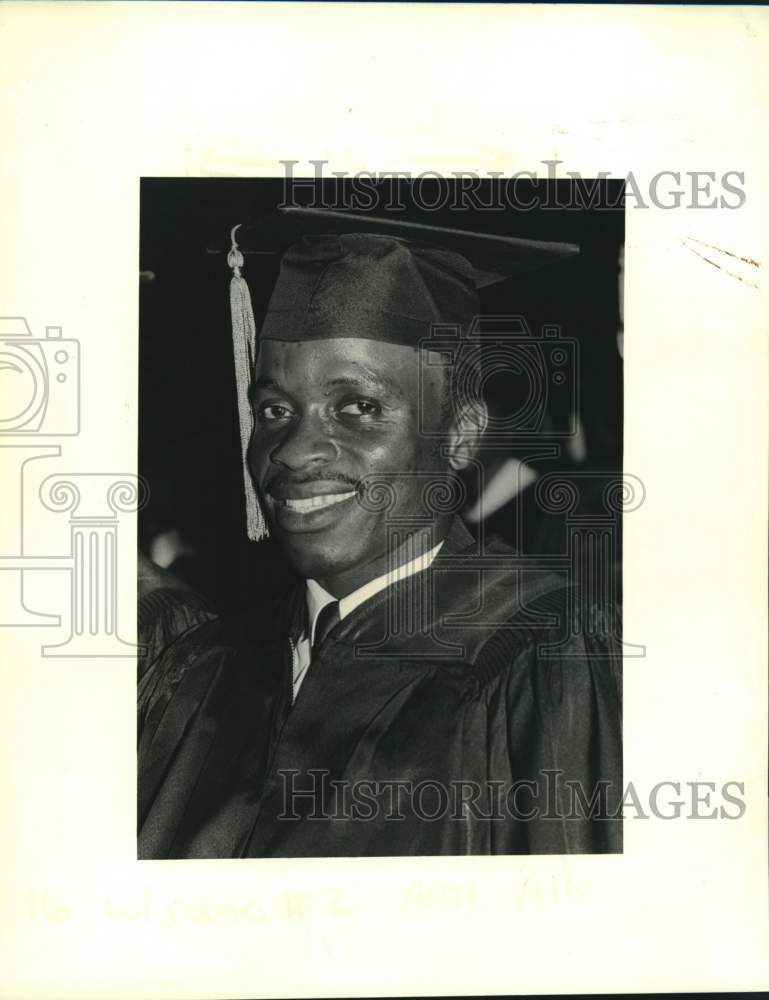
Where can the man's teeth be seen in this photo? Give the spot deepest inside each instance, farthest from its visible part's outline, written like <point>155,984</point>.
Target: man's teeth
<point>314,503</point>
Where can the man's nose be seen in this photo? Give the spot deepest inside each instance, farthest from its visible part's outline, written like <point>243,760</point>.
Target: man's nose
<point>306,443</point>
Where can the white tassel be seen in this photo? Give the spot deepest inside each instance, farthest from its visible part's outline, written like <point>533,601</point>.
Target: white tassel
<point>244,352</point>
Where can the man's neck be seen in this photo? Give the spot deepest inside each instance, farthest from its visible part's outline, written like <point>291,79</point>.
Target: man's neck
<point>418,544</point>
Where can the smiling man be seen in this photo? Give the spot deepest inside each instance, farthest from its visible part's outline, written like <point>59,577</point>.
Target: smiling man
<point>410,693</point>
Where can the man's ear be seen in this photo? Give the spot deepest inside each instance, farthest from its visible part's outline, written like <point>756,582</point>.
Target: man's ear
<point>465,433</point>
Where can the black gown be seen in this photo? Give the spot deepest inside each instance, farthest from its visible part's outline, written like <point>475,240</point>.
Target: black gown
<point>473,708</point>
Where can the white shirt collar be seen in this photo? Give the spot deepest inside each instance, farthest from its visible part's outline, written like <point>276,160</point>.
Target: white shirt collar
<point>318,597</point>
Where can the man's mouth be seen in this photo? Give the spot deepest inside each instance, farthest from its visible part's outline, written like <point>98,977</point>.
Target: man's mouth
<point>306,504</point>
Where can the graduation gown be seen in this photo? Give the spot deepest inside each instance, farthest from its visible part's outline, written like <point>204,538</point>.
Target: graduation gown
<point>473,708</point>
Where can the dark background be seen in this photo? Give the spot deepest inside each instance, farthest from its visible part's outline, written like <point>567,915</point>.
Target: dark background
<point>189,449</point>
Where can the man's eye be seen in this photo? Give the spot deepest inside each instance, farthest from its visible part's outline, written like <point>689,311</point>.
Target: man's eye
<point>360,408</point>
<point>273,411</point>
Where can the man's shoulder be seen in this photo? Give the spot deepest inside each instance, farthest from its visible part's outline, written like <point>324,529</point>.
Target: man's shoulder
<point>494,571</point>
<point>499,599</point>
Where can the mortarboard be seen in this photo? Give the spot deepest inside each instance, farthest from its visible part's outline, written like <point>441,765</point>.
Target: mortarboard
<point>349,275</point>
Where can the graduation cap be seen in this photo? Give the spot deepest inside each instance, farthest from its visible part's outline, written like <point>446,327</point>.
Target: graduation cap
<point>349,275</point>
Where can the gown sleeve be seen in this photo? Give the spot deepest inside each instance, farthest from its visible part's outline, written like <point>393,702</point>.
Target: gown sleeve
<point>564,734</point>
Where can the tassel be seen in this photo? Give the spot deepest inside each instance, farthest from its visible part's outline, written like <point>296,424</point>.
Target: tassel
<point>244,351</point>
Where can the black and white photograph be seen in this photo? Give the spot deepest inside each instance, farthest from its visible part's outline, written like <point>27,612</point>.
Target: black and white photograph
<point>381,563</point>
<point>384,453</point>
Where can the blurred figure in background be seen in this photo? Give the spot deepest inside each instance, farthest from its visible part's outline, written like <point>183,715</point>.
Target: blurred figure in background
<point>509,505</point>
<point>167,608</point>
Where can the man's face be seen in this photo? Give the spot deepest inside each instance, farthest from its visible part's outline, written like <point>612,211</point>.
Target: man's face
<point>331,416</point>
